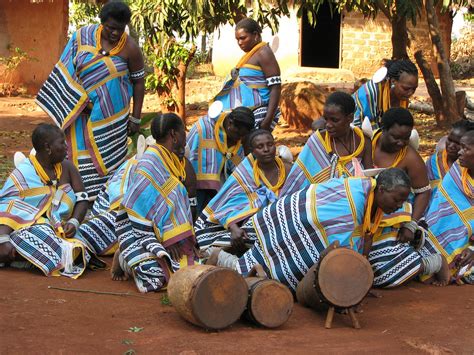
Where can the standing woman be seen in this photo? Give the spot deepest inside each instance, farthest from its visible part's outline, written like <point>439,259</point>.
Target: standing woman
<point>374,98</point>
<point>255,81</point>
<point>88,95</point>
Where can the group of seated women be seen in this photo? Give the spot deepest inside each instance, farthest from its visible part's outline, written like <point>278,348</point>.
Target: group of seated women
<point>222,195</point>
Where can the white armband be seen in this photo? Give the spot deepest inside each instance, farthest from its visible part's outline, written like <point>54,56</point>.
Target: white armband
<point>421,189</point>
<point>4,238</point>
<point>273,80</point>
<point>137,74</point>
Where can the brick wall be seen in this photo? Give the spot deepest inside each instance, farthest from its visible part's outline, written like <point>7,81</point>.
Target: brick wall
<point>365,42</point>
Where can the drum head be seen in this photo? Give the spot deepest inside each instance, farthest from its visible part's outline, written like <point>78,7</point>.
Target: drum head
<point>271,303</point>
<point>345,277</point>
<point>219,298</point>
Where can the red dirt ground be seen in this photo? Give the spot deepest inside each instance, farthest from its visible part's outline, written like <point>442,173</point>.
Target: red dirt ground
<point>412,319</point>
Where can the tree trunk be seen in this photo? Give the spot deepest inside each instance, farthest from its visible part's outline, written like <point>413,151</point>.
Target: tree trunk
<point>399,37</point>
<point>433,89</point>
<point>181,84</point>
<point>449,106</point>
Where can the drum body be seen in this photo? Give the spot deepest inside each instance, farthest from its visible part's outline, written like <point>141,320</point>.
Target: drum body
<point>341,278</point>
<point>208,296</point>
<point>270,303</point>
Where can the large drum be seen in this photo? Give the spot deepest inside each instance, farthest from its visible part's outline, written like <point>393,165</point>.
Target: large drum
<point>341,279</point>
<point>208,296</point>
<point>270,303</point>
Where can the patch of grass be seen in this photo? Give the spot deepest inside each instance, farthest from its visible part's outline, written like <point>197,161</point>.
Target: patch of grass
<point>165,300</point>
<point>6,167</point>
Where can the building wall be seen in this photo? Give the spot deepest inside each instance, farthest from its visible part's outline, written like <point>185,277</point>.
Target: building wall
<point>364,44</point>
<point>40,29</point>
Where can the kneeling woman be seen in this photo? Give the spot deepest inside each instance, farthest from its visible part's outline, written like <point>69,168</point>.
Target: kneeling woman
<point>154,224</point>
<point>254,184</point>
<point>41,205</point>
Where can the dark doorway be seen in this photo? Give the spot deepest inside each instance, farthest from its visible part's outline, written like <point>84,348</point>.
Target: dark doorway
<point>320,45</point>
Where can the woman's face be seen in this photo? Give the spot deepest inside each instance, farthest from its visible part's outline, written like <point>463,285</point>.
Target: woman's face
<point>391,201</point>
<point>263,148</point>
<point>57,148</point>
<point>337,123</point>
<point>405,86</point>
<point>113,30</point>
<point>453,143</point>
<point>466,153</point>
<point>246,40</point>
<point>179,145</point>
<point>395,138</point>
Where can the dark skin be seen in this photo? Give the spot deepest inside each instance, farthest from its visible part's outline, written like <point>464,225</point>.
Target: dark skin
<point>403,88</point>
<point>234,131</point>
<point>265,59</point>
<point>453,145</point>
<point>190,184</point>
<point>390,143</point>
<point>111,33</point>
<point>54,151</point>
<point>339,129</point>
<point>264,151</point>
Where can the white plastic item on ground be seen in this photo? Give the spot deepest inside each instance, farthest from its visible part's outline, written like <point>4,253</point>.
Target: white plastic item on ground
<point>367,127</point>
<point>141,146</point>
<point>215,109</point>
<point>285,153</point>
<point>18,158</point>
<point>414,139</point>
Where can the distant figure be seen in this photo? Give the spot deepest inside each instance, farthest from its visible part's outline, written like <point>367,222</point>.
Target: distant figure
<point>89,91</point>
<point>42,204</point>
<point>373,99</point>
<point>255,81</point>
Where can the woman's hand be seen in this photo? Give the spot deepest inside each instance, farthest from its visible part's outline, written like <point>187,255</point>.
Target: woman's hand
<point>238,236</point>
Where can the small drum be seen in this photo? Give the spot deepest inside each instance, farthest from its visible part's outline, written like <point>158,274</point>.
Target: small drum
<point>341,279</point>
<point>208,296</point>
<point>270,303</point>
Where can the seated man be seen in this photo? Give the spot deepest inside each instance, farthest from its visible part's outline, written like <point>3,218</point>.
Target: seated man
<point>42,204</point>
<point>254,184</point>
<point>329,153</point>
<point>215,147</point>
<point>154,224</point>
<point>450,219</point>
<point>292,232</point>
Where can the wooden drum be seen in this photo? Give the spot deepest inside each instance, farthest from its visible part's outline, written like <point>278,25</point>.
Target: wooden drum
<point>208,296</point>
<point>341,278</point>
<point>270,303</point>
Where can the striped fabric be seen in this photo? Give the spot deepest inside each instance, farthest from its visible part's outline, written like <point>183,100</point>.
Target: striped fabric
<point>236,201</point>
<point>98,231</point>
<point>26,205</point>
<point>314,165</point>
<point>292,232</point>
<point>393,262</point>
<point>250,90</point>
<point>97,136</point>
<point>436,170</point>
<point>450,218</point>
<point>210,165</point>
<point>155,214</point>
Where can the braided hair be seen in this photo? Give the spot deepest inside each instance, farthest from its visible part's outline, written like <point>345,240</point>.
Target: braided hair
<point>397,115</point>
<point>397,67</point>
<point>248,25</point>
<point>164,123</point>
<point>44,133</point>
<point>342,100</point>
<point>463,125</point>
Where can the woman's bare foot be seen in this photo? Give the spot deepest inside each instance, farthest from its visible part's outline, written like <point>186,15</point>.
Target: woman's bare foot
<point>116,271</point>
<point>443,275</point>
<point>213,257</point>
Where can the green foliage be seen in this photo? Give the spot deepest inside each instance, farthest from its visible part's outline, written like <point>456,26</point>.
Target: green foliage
<point>135,329</point>
<point>82,14</point>
<point>165,300</point>
<point>16,57</point>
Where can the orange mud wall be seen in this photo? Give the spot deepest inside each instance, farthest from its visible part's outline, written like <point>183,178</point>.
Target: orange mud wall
<point>40,29</point>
